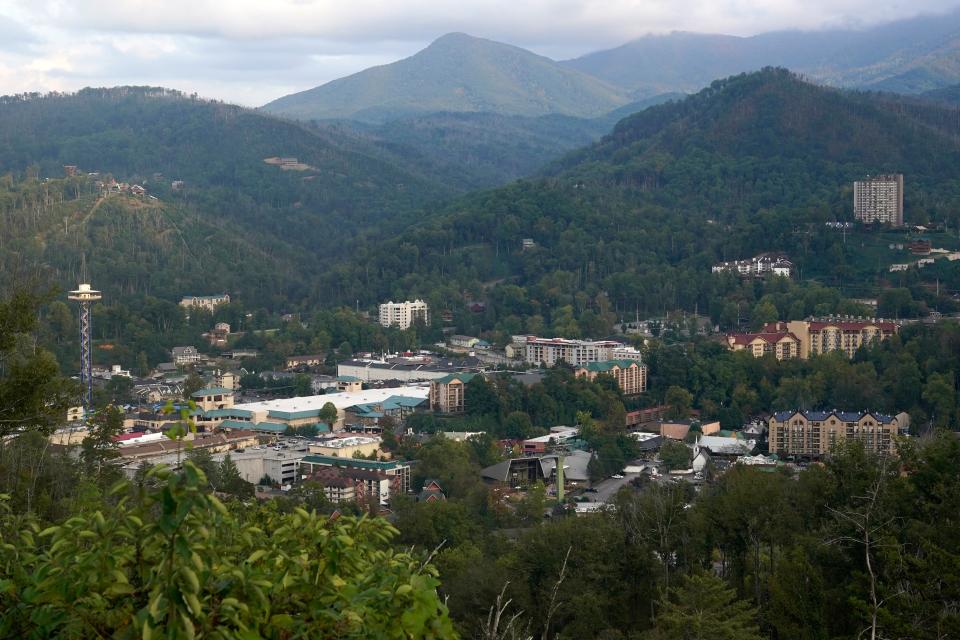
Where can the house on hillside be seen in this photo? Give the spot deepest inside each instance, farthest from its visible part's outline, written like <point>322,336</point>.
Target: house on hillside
<point>185,355</point>
<point>431,492</point>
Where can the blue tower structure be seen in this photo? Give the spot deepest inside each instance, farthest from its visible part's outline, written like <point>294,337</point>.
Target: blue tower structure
<point>85,295</point>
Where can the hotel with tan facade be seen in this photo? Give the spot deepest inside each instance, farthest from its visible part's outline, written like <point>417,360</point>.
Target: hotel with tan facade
<point>631,376</point>
<point>805,338</point>
<point>784,345</point>
<point>448,394</point>
<point>814,433</point>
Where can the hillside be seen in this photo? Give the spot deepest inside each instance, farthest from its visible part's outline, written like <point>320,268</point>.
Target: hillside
<point>906,56</point>
<point>481,150</point>
<point>456,73</point>
<point>135,246</point>
<point>633,223</point>
<point>154,137</point>
<point>946,95</point>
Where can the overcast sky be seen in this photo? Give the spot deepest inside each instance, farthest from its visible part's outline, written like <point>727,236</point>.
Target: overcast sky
<point>252,51</point>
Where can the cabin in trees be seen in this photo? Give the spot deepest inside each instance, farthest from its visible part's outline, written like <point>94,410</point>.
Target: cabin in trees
<point>431,492</point>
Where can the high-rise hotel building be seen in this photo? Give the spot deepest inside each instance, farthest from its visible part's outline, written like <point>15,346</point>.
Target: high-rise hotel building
<point>404,314</point>
<point>879,199</point>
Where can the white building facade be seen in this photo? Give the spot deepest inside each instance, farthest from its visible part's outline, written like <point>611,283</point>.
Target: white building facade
<point>403,314</point>
<point>549,351</point>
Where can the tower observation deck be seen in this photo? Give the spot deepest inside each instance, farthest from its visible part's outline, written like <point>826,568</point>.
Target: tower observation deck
<point>85,295</point>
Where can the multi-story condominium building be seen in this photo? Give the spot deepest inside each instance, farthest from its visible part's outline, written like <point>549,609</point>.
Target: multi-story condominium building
<point>210,398</point>
<point>353,485</point>
<point>626,353</point>
<point>805,338</point>
<point>879,199</point>
<point>814,433</point>
<point>631,376</point>
<point>397,473</point>
<point>204,302</point>
<point>448,394</point>
<point>549,351</point>
<point>782,344</point>
<point>403,314</point>
<point>841,333</point>
<point>758,266</point>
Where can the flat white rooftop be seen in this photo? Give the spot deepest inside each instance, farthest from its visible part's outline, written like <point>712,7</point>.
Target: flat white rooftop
<point>340,400</point>
<point>341,443</point>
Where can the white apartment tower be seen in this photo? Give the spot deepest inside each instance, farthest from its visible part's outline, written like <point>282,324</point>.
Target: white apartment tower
<point>879,199</point>
<point>403,314</point>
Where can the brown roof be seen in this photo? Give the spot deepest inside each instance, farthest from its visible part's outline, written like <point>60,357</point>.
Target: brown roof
<point>200,441</point>
<point>747,338</point>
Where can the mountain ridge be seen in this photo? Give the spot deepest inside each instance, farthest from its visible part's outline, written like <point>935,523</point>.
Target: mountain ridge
<point>909,56</point>
<point>456,72</point>
<point>756,162</point>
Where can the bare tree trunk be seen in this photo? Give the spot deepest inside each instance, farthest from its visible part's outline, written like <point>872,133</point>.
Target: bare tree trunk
<point>552,607</point>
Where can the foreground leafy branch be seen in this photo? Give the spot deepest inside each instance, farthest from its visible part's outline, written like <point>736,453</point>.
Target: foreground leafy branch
<point>171,561</point>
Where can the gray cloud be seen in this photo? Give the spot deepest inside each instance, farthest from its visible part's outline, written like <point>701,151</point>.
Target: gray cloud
<point>13,35</point>
<point>250,51</point>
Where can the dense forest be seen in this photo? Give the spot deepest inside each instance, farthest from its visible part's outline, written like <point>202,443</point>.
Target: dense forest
<point>629,226</point>
<point>155,136</point>
<point>755,163</point>
<point>860,546</point>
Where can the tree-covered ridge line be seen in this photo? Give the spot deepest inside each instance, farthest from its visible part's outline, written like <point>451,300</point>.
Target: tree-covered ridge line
<point>132,246</point>
<point>755,163</point>
<point>217,151</point>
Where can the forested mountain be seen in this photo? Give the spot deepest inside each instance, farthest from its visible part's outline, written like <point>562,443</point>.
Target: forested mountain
<point>480,150</point>
<point>155,136</point>
<point>906,56</point>
<point>233,208</point>
<point>947,95</point>
<point>457,73</point>
<point>137,246</point>
<point>236,224</point>
<point>754,163</point>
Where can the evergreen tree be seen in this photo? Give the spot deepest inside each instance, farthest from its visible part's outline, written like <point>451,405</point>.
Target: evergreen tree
<point>230,481</point>
<point>702,607</point>
<point>99,449</point>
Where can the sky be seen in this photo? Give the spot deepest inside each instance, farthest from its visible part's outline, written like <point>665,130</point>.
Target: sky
<point>252,51</point>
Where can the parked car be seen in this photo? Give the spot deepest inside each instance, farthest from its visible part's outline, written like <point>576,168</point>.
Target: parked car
<point>618,476</point>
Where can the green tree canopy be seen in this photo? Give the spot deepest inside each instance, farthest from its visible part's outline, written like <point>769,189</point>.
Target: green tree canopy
<point>702,607</point>
<point>179,564</point>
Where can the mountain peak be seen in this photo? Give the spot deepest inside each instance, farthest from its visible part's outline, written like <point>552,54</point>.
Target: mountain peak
<point>455,37</point>
<point>457,73</point>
